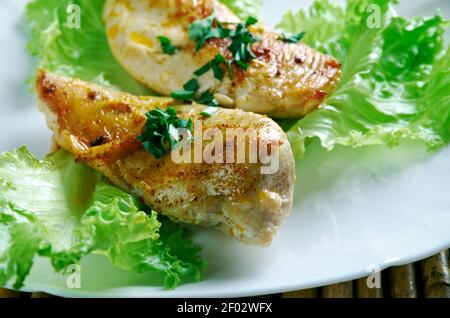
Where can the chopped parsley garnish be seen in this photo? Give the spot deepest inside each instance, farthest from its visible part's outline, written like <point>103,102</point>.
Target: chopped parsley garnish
<point>203,70</point>
<point>207,98</point>
<point>166,45</point>
<point>192,85</point>
<point>202,30</point>
<point>243,65</point>
<point>161,132</point>
<point>292,38</point>
<point>241,39</point>
<point>251,21</point>
<point>216,66</point>
<point>190,88</point>
<point>183,95</point>
<point>240,48</point>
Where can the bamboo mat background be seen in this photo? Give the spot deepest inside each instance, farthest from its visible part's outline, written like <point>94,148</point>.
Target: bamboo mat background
<point>429,278</point>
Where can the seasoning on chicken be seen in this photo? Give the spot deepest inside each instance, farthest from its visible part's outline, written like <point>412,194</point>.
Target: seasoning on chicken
<point>284,80</point>
<point>100,128</point>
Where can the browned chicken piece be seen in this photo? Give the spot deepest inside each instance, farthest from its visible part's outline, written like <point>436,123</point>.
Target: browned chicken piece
<point>100,127</point>
<point>284,81</point>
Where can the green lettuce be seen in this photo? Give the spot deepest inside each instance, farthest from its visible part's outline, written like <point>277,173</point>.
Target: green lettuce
<point>76,52</point>
<point>63,210</point>
<point>244,8</point>
<point>395,76</point>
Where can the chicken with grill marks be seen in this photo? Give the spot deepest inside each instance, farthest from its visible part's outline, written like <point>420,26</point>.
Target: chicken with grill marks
<point>99,127</point>
<point>285,80</point>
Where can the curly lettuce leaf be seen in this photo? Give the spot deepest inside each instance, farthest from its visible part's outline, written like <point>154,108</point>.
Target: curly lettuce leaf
<point>395,76</point>
<point>81,52</point>
<point>322,23</point>
<point>244,8</point>
<point>63,210</point>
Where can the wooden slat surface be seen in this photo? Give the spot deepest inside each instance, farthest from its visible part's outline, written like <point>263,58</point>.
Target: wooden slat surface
<point>436,276</point>
<point>342,290</point>
<point>307,293</point>
<point>41,295</point>
<point>403,282</point>
<point>5,293</point>
<point>427,278</point>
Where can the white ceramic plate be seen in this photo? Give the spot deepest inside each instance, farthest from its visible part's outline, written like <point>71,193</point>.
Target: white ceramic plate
<point>354,209</point>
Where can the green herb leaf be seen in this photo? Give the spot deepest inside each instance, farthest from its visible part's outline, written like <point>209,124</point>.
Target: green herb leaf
<point>241,41</point>
<point>240,48</point>
<point>192,85</point>
<point>161,131</point>
<point>251,21</point>
<point>207,98</point>
<point>292,38</point>
<point>183,95</point>
<point>230,69</point>
<point>203,70</point>
<point>216,64</point>
<point>166,45</point>
<point>243,65</point>
<point>218,72</point>
<point>202,30</point>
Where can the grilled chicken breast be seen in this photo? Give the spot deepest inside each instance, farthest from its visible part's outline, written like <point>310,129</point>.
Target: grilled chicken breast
<point>99,127</point>
<point>284,81</point>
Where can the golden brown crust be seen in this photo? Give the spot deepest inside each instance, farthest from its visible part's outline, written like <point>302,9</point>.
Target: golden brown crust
<point>100,127</point>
